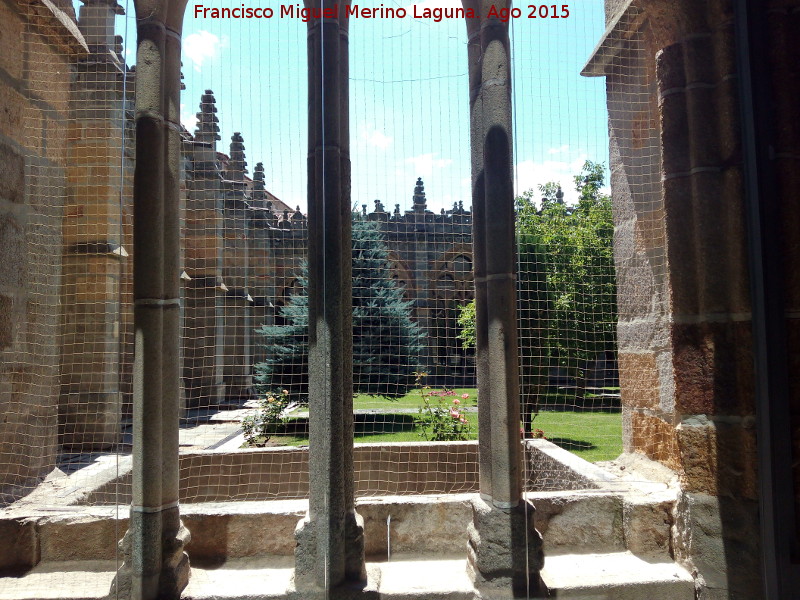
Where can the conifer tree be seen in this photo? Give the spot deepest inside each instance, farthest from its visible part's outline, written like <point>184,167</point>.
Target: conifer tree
<point>386,342</point>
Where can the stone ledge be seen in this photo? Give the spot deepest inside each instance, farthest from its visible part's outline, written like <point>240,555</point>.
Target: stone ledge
<point>408,577</point>
<point>70,580</point>
<point>615,576</point>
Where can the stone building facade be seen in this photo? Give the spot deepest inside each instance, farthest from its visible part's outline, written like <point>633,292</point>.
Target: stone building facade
<point>66,317</point>
<point>40,46</point>
<point>691,335</point>
<point>244,250</point>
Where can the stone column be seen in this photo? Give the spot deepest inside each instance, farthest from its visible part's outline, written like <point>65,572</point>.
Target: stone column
<point>330,546</point>
<point>505,554</point>
<point>155,565</point>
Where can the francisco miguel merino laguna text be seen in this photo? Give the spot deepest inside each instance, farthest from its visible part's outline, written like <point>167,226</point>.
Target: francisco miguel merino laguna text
<point>297,11</point>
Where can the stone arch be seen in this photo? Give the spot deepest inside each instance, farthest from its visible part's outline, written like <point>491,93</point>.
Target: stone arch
<point>402,274</point>
<point>452,280</point>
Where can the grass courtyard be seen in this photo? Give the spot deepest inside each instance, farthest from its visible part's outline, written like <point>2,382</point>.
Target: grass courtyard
<point>593,435</point>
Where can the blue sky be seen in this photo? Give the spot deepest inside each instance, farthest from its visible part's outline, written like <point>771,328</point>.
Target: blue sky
<point>409,103</point>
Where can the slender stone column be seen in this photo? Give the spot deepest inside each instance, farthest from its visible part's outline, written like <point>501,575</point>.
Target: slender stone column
<point>330,546</point>
<point>174,536</point>
<point>505,550</point>
<point>155,565</point>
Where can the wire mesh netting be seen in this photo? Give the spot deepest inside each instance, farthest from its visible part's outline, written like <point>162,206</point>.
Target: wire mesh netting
<point>68,361</point>
<point>244,237</point>
<point>69,355</point>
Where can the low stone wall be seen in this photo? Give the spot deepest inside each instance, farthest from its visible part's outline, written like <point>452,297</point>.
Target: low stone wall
<point>551,468</point>
<point>409,468</point>
<point>412,468</point>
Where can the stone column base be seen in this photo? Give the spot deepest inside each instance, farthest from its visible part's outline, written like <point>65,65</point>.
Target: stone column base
<point>169,582</point>
<point>504,554</point>
<point>309,572</point>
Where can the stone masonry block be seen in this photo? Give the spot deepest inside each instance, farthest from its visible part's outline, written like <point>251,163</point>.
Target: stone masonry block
<point>670,68</point>
<point>11,42</point>
<point>218,535</point>
<point>729,130</point>
<point>639,379</point>
<point>655,438</point>
<point>13,255</point>
<point>675,133</point>
<point>20,548</point>
<point>6,322</point>
<point>717,538</point>
<point>12,174</point>
<point>698,67</point>
<point>14,106</point>
<point>647,523</point>
<point>52,74</point>
<point>415,526</point>
<point>571,522</point>
<point>715,364</point>
<point>701,108</point>
<point>80,537</point>
<point>718,457</point>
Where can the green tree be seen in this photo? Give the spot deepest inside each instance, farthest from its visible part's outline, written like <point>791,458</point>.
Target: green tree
<point>579,268</point>
<point>566,283</point>
<point>386,341</point>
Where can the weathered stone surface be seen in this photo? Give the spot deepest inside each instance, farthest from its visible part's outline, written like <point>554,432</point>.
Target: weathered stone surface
<point>639,379</point>
<point>218,536</point>
<point>580,523</point>
<point>11,43</point>
<point>647,523</point>
<point>718,456</point>
<point>310,571</point>
<point>6,321</point>
<point>717,537</point>
<point>616,576</point>
<point>79,537</point>
<point>13,249</point>
<point>505,550</point>
<point>12,173</point>
<point>434,526</point>
<point>715,365</point>
<point>654,438</point>
<point>20,548</point>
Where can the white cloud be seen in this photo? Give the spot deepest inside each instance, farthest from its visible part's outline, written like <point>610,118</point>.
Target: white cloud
<point>374,138</point>
<point>424,164</point>
<point>530,174</point>
<point>559,150</point>
<point>188,118</point>
<point>200,46</point>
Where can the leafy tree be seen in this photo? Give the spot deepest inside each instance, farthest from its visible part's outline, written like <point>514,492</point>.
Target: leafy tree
<point>466,321</point>
<point>566,285</point>
<point>386,341</point>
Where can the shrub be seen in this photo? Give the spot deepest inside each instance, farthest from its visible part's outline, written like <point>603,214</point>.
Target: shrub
<point>440,418</point>
<point>268,420</point>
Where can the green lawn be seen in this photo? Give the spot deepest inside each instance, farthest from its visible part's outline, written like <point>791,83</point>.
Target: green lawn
<point>592,435</point>
<point>412,399</point>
